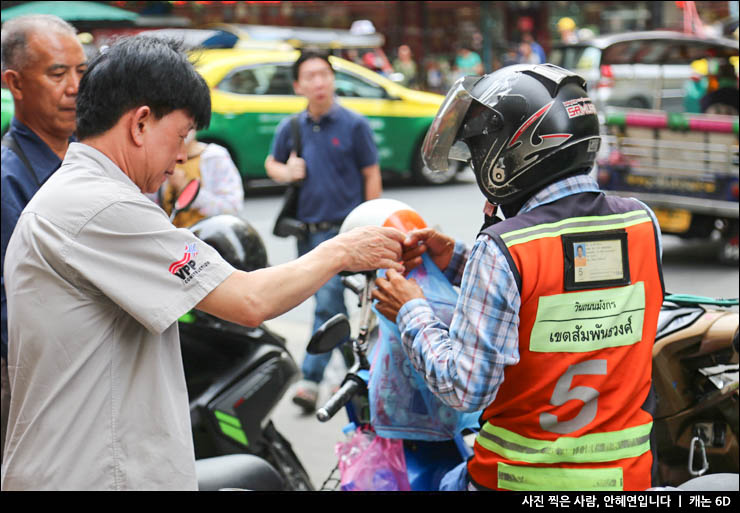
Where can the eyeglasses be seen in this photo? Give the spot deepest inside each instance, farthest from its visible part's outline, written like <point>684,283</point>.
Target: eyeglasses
<point>310,76</point>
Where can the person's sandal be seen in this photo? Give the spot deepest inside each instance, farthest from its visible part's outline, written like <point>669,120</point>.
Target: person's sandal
<point>306,395</point>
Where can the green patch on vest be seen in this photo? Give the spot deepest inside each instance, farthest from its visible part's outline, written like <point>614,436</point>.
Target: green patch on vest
<point>579,322</point>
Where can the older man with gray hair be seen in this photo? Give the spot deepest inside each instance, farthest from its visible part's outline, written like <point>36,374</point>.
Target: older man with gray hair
<point>42,64</point>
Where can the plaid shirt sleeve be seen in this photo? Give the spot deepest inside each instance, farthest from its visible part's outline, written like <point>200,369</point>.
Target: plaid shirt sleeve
<point>464,363</point>
<point>456,267</point>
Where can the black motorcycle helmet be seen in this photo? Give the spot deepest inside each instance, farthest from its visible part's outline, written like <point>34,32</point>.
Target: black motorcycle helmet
<point>235,240</point>
<point>521,128</point>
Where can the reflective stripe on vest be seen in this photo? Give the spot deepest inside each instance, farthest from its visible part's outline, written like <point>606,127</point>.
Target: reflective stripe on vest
<point>527,479</point>
<point>591,448</point>
<point>576,225</point>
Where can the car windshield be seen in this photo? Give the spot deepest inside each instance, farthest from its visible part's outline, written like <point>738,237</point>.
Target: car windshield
<point>642,51</point>
<point>265,79</point>
<point>352,86</point>
<point>276,79</point>
<point>667,51</point>
<point>576,57</point>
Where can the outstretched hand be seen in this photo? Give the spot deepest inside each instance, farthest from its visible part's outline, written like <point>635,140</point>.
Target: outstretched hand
<point>371,247</point>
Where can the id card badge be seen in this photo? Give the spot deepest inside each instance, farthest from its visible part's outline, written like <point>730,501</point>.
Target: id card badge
<point>596,260</point>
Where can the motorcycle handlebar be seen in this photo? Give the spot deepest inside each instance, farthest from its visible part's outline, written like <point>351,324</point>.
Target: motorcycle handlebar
<point>338,400</point>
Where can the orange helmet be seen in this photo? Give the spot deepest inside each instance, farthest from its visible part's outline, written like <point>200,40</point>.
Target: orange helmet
<point>384,212</point>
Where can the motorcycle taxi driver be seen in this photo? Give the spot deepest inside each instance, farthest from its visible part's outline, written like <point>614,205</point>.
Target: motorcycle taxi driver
<point>559,361</point>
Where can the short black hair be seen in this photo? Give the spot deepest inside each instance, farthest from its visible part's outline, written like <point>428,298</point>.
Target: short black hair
<point>309,54</point>
<point>137,71</point>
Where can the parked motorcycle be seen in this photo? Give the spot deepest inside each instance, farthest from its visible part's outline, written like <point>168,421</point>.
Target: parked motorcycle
<point>242,472</point>
<point>695,375</point>
<point>426,461</point>
<point>236,376</point>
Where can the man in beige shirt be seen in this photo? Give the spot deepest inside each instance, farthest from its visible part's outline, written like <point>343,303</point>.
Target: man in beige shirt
<point>97,277</point>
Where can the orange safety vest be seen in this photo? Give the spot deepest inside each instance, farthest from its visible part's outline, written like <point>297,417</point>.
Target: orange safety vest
<point>572,414</point>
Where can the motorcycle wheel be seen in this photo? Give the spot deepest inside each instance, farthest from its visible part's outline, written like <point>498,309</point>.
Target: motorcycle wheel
<point>279,453</point>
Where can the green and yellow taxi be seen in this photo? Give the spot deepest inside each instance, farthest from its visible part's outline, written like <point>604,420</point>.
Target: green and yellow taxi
<point>6,101</point>
<point>252,91</point>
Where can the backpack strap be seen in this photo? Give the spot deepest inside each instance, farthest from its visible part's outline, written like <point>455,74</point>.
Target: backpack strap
<point>296,133</point>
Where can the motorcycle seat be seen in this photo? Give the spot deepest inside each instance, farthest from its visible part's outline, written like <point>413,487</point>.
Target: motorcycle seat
<point>712,483</point>
<point>237,472</point>
<point>672,319</point>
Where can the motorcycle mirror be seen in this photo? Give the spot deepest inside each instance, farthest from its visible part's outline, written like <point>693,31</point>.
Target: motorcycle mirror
<point>329,335</point>
<point>186,198</point>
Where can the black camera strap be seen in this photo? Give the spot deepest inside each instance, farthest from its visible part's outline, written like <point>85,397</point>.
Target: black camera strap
<point>296,134</point>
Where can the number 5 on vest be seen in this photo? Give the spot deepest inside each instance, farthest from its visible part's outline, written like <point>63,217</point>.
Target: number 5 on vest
<point>563,393</point>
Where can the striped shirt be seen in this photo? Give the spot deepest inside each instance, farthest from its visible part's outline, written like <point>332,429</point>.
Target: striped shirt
<point>464,364</point>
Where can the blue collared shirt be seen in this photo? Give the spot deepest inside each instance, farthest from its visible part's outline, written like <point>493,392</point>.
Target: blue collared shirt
<point>17,187</point>
<point>464,364</point>
<point>336,148</point>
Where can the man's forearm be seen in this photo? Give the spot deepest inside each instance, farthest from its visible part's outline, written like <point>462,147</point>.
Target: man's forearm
<point>248,298</point>
<point>253,297</point>
<point>373,182</point>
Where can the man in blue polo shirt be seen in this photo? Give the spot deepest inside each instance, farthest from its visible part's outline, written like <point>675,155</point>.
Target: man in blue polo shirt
<point>338,167</point>
<point>42,63</point>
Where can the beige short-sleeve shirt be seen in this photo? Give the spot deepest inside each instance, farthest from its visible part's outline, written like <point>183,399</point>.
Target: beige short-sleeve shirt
<point>96,278</point>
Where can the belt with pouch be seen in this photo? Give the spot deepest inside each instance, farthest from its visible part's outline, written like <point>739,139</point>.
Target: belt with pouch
<point>323,226</point>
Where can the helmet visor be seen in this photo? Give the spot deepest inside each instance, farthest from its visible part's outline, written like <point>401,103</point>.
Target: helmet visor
<point>439,144</point>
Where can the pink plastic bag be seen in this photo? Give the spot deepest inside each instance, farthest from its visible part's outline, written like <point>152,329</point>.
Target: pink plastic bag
<point>368,462</point>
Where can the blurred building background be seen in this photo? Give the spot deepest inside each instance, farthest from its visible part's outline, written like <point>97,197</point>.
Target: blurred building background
<point>433,30</point>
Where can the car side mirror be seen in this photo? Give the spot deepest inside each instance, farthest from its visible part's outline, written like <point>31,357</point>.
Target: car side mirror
<point>329,335</point>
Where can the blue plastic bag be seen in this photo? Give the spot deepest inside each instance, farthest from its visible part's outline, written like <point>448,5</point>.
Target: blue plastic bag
<point>401,404</point>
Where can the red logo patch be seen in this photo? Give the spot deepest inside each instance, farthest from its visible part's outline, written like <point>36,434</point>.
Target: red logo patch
<point>190,253</point>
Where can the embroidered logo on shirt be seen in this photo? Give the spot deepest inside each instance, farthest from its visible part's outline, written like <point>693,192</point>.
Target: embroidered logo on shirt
<point>190,253</point>
<point>185,268</point>
<point>335,141</point>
